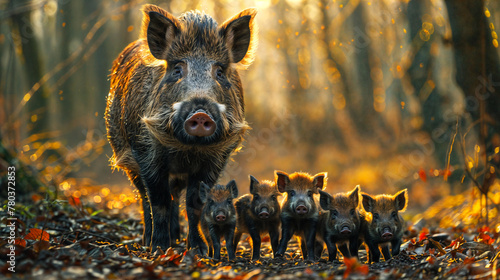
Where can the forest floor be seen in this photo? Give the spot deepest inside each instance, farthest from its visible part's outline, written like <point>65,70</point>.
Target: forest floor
<point>71,239</point>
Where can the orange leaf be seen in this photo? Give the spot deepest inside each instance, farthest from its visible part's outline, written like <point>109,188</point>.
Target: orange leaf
<point>74,201</point>
<point>422,175</point>
<point>308,271</point>
<point>20,242</point>
<point>353,266</point>
<point>423,234</point>
<point>37,234</point>
<point>36,197</point>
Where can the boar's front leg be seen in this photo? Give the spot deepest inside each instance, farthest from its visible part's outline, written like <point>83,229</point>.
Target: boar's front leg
<point>193,209</point>
<point>310,234</point>
<point>373,251</point>
<point>386,252</point>
<point>286,235</point>
<point>332,249</point>
<point>344,249</point>
<point>215,241</point>
<point>396,246</point>
<point>256,242</point>
<point>354,246</point>
<point>158,192</point>
<point>274,235</point>
<point>229,236</point>
<point>146,209</point>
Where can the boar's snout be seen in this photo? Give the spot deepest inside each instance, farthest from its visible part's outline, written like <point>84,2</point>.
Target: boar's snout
<point>345,229</point>
<point>198,120</point>
<point>386,233</point>
<point>264,213</point>
<point>301,209</point>
<point>200,124</point>
<point>220,216</point>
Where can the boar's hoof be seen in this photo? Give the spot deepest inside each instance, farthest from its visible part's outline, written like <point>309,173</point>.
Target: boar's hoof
<point>301,210</point>
<point>200,124</point>
<point>220,218</point>
<point>345,230</point>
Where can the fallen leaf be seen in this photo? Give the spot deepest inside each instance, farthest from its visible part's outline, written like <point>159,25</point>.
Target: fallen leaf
<point>37,234</point>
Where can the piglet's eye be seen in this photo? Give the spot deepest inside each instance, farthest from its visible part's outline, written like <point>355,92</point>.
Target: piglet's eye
<point>229,200</point>
<point>394,215</point>
<point>178,70</point>
<point>256,196</point>
<point>352,212</point>
<point>376,216</point>
<point>335,213</point>
<point>310,193</point>
<point>219,72</point>
<point>292,193</point>
<point>273,197</point>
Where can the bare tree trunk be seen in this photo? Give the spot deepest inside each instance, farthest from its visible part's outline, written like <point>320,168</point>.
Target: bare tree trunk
<point>33,65</point>
<point>424,81</point>
<point>477,66</point>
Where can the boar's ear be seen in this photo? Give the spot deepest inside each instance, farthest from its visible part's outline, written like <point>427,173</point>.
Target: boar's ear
<point>282,180</point>
<point>354,195</point>
<point>240,34</point>
<point>204,190</point>
<point>325,199</point>
<point>233,188</point>
<point>159,28</point>
<point>319,181</point>
<point>401,199</point>
<point>368,202</point>
<point>253,184</point>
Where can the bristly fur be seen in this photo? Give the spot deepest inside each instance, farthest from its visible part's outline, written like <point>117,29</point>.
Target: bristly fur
<point>149,104</point>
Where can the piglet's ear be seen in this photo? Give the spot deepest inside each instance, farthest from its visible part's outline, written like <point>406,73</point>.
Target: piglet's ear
<point>204,190</point>
<point>401,200</point>
<point>233,188</point>
<point>354,195</point>
<point>159,28</point>
<point>325,199</point>
<point>282,180</point>
<point>319,181</point>
<point>240,33</point>
<point>368,202</point>
<point>253,184</point>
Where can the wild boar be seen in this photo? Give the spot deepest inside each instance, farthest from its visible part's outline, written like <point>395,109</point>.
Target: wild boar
<point>258,213</point>
<point>340,223</point>
<point>382,225</point>
<point>218,217</point>
<point>299,210</point>
<point>176,109</point>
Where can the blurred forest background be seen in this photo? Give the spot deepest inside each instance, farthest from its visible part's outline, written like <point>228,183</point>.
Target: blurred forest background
<point>386,94</point>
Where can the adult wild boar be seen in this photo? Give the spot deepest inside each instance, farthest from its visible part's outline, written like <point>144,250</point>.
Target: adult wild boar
<point>175,112</point>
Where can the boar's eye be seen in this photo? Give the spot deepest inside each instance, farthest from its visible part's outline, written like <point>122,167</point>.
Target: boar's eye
<point>352,212</point>
<point>394,215</point>
<point>178,70</point>
<point>218,72</point>
<point>335,213</point>
<point>376,216</point>
<point>291,193</point>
